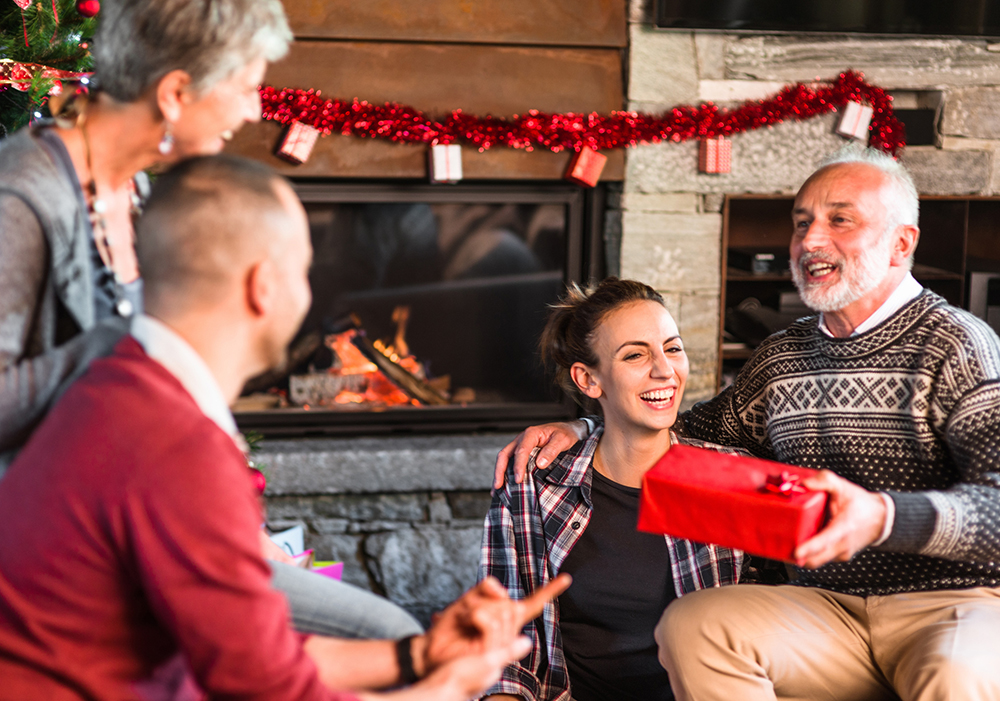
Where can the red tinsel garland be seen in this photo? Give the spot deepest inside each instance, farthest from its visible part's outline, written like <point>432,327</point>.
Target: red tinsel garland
<point>556,132</point>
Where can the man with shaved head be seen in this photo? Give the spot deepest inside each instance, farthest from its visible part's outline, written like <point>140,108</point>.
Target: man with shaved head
<point>895,395</point>
<point>130,549</point>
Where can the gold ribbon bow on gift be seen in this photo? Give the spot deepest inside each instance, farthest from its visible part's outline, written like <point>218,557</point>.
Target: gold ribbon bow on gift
<point>784,485</point>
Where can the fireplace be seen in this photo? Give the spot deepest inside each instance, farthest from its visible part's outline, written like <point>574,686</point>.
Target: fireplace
<point>427,306</point>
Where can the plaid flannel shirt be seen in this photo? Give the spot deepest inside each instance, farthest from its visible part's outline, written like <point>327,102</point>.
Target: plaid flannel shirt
<point>530,529</point>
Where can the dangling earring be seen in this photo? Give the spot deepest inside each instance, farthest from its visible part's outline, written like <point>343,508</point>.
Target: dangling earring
<point>167,142</point>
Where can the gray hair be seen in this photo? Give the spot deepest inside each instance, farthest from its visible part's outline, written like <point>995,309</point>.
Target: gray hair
<point>901,210</point>
<point>140,41</point>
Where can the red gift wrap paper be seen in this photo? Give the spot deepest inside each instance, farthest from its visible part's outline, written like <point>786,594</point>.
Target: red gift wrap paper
<point>709,497</point>
<point>585,167</point>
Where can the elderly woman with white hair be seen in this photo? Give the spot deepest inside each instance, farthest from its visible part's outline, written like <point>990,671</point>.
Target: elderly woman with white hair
<point>174,78</point>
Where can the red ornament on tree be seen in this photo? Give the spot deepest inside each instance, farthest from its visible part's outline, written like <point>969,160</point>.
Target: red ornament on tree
<point>88,8</point>
<point>259,480</point>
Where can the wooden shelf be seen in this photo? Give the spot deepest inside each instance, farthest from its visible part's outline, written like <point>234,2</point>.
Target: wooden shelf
<point>957,234</point>
<point>737,353</point>
<point>926,272</point>
<point>740,275</point>
<point>920,272</point>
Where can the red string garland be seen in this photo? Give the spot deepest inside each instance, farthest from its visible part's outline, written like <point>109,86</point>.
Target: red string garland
<point>19,75</point>
<point>558,132</point>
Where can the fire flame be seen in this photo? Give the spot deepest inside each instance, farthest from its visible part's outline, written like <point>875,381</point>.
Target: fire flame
<point>378,388</point>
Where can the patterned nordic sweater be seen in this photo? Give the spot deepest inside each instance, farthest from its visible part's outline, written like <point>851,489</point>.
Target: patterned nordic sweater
<point>911,407</point>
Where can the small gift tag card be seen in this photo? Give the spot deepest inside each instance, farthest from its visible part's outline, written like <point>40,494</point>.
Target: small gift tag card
<point>445,163</point>
<point>854,121</point>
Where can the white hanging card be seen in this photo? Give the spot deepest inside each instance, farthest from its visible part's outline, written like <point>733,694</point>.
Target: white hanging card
<point>446,163</point>
<point>854,121</point>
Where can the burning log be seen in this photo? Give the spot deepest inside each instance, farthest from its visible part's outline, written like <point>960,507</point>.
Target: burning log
<point>369,372</point>
<point>400,376</point>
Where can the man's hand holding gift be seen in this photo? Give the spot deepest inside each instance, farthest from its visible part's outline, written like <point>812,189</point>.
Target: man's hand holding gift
<point>856,520</point>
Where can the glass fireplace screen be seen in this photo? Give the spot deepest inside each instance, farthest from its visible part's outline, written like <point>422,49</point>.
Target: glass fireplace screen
<point>428,302</point>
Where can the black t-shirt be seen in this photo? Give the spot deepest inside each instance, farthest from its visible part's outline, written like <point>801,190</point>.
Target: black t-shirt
<point>621,585</point>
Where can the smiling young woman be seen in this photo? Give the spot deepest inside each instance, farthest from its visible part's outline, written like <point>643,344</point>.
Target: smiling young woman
<point>617,350</point>
<point>638,382</point>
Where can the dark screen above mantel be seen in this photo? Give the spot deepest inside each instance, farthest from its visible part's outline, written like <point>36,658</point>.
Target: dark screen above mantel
<point>906,17</point>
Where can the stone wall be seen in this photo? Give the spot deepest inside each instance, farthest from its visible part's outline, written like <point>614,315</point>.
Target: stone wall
<point>405,514</point>
<point>668,214</point>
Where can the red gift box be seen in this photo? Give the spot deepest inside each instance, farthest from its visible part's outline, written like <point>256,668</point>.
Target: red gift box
<point>298,143</point>
<point>715,155</point>
<point>585,167</point>
<point>746,503</point>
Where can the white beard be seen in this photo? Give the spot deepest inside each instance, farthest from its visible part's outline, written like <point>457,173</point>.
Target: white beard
<point>858,276</point>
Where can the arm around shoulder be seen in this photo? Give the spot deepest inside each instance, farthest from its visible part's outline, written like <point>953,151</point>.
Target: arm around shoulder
<point>549,439</point>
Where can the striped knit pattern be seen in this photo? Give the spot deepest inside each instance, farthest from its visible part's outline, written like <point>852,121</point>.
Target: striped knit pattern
<point>911,407</point>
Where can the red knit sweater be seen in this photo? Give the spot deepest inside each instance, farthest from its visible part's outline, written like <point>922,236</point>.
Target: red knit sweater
<point>129,533</point>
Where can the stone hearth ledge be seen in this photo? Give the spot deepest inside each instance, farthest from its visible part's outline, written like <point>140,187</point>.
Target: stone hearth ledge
<point>380,464</point>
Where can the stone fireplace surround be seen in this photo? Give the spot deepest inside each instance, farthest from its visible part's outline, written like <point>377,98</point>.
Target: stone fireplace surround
<point>405,513</point>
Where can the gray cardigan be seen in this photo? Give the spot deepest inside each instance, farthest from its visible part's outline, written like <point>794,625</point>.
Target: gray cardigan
<point>46,289</point>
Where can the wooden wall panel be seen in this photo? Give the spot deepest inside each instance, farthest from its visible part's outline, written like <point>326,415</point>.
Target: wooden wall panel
<point>539,22</point>
<point>436,78</point>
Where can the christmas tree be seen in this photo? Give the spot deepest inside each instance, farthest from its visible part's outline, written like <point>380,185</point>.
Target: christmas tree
<point>42,43</point>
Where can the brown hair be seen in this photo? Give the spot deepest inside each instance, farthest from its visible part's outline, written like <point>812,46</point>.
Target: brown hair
<point>204,219</point>
<point>573,320</point>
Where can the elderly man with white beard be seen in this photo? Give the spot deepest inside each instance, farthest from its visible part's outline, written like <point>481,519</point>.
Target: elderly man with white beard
<point>895,395</point>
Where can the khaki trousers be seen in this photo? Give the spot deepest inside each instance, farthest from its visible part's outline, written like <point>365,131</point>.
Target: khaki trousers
<point>751,642</point>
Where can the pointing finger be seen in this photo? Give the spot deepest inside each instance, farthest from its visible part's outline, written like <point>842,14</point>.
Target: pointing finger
<point>531,608</point>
